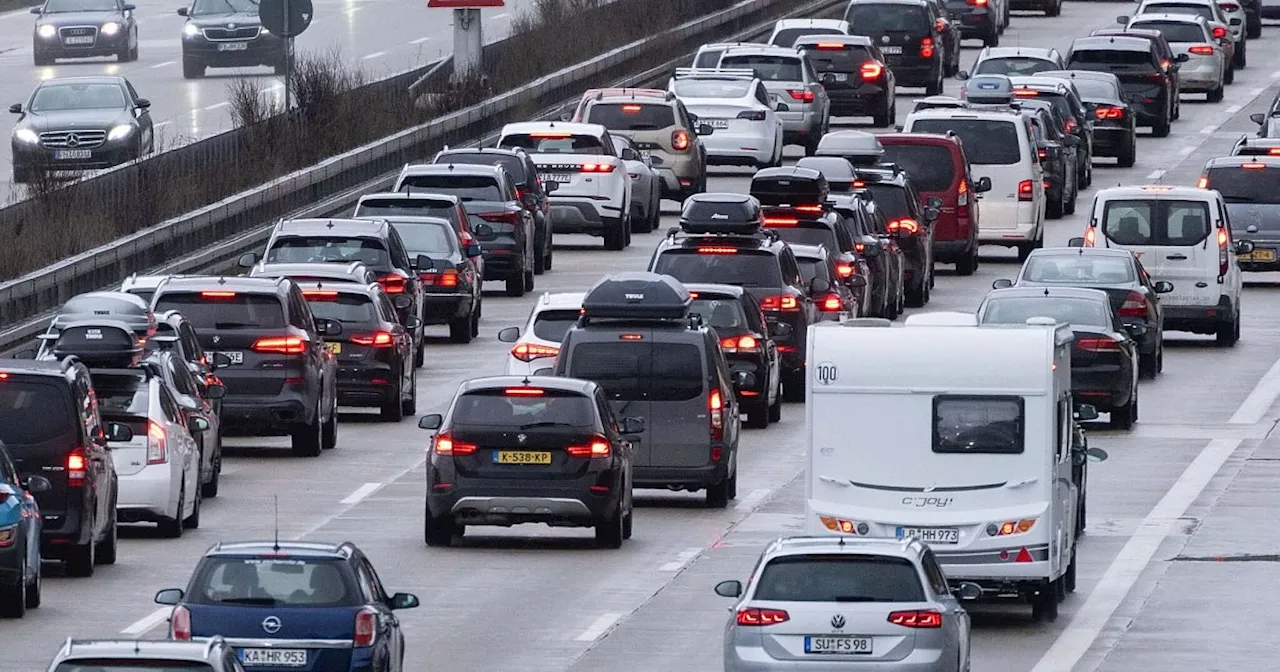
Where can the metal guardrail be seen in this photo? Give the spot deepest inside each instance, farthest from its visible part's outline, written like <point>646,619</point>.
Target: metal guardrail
<point>210,239</point>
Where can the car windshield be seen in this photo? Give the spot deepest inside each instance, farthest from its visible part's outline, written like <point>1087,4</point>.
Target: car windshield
<point>534,406</point>
<point>552,142</point>
<point>845,59</point>
<point>32,411</point>
<point>274,582</point>
<point>631,116</point>
<point>986,141</point>
<point>931,167</point>
<point>132,665</point>
<point>1170,222</point>
<point>217,309</point>
<point>633,370</point>
<point>839,578</point>
<point>1247,185</point>
<point>330,250</point>
<point>1075,269</point>
<point>1014,66</point>
<point>122,395</point>
<point>59,6</point>
<point>61,97</point>
<point>787,36</point>
<point>552,325</point>
<point>1076,312</point>
<point>1106,60</point>
<point>1194,10</point>
<point>429,238</point>
<point>876,19</point>
<point>465,187</point>
<point>805,235</point>
<point>718,266</point>
<point>375,208</point>
<point>768,68</point>
<point>344,307</point>
<point>514,165</point>
<point>1175,31</point>
<point>712,88</point>
<point>724,314</point>
<point>224,7</point>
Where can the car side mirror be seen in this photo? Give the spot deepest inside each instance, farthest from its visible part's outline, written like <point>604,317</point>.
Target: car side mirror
<point>431,422</point>
<point>215,392</point>
<point>629,154</point>
<point>550,186</point>
<point>37,485</point>
<point>963,75</point>
<point>1086,412</point>
<point>474,250</point>
<point>127,8</point>
<point>546,371</point>
<point>248,259</point>
<point>197,425</point>
<point>424,263</point>
<point>509,335</point>
<point>857,281</point>
<point>931,214</point>
<point>1002,283</point>
<point>404,601</point>
<point>142,103</point>
<point>37,10</point>
<point>402,301</point>
<point>1258,118</point>
<point>169,596</point>
<point>1163,287</point>
<point>328,327</point>
<point>705,129</point>
<point>967,591</point>
<point>483,232</point>
<point>744,379</point>
<point>1075,242</point>
<point>220,361</point>
<point>530,201</point>
<point>983,185</point>
<point>1096,454</point>
<point>819,286</point>
<point>118,432</point>
<point>1071,141</point>
<point>871,247</point>
<point>632,425</point>
<point>183,11</point>
<point>1122,20</point>
<point>411,322</point>
<point>16,108</point>
<point>729,589</point>
<point>1244,247</point>
<point>780,330</point>
<point>655,161</point>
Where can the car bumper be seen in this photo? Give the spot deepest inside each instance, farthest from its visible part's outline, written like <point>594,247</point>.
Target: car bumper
<point>583,215</point>
<point>1105,386</point>
<point>757,659</point>
<point>867,99</point>
<point>103,45</point>
<point>1200,75</point>
<point>996,568</point>
<point>688,478</point>
<point>148,495</point>
<point>1110,140</point>
<point>502,262</point>
<point>61,532</point>
<point>915,73</point>
<point>724,148</point>
<point>1016,219</point>
<point>799,123</point>
<point>977,23</point>
<point>106,155</point>
<point>1198,319</point>
<point>266,415</point>
<point>442,308</point>
<point>262,51</point>
<point>365,384</point>
<point>561,503</point>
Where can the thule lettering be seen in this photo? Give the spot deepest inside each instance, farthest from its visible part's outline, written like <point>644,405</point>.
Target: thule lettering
<point>926,502</point>
<point>635,297</point>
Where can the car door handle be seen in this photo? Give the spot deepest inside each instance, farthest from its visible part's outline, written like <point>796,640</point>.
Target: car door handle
<point>1177,257</point>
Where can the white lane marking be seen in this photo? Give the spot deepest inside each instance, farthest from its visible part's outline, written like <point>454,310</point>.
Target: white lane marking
<point>1258,91</point>
<point>361,492</point>
<point>682,559</point>
<point>1155,175</point>
<point>751,500</point>
<point>420,40</point>
<point>216,106</point>
<point>500,16</point>
<point>1135,556</point>
<point>144,625</point>
<point>598,627</point>
<point>162,65</point>
<point>1208,130</point>
<point>373,55</point>
<point>1234,108</point>
<point>1187,151</point>
<point>348,507</point>
<point>1275,74</point>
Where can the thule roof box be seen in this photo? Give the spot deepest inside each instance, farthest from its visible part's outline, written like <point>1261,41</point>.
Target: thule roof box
<point>939,103</point>
<point>732,214</point>
<point>859,147</point>
<point>124,307</point>
<point>988,90</point>
<point>791,186</point>
<point>100,343</point>
<point>637,296</point>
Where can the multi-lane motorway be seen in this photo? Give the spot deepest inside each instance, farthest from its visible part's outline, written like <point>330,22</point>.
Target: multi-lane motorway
<point>1183,497</point>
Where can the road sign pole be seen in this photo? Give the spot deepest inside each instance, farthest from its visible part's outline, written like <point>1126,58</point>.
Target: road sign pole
<point>288,59</point>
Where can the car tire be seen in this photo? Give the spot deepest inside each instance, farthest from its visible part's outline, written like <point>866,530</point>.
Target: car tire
<point>305,439</point>
<point>992,39</point>
<point>1242,56</point>
<point>775,411</point>
<point>639,223</point>
<point>193,521</point>
<point>718,495</point>
<point>171,528</point>
<point>1253,29</point>
<point>1128,154</point>
<point>1069,207</point>
<point>1228,332</point>
<point>1044,604</point>
<point>475,323</point>
<point>1125,416</point>
<point>105,553</point>
<point>1054,207</point>
<point>968,264</point>
<point>916,295</point>
<point>529,280</point>
<point>793,387</point>
<point>192,68</point>
<point>934,88</point>
<point>1147,366</point>
<point>628,521</point>
<point>1230,77</point>
<point>392,411</point>
<point>460,329</point>
<point>438,531</point>
<point>549,257</point>
<point>80,562</point>
<point>210,489</point>
<point>539,261</point>
<point>1216,95</point>
<point>13,602</point>
<point>615,237</point>
<point>1054,10</point>
<point>515,285</point>
<point>33,593</point>
<point>609,532</point>
<point>329,434</point>
<point>758,415</point>
<point>887,119</point>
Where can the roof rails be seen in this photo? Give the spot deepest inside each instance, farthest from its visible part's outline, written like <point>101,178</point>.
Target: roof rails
<point>716,73</point>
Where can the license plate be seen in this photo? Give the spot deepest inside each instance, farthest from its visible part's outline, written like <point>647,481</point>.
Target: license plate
<point>931,535</point>
<point>839,645</point>
<point>562,178</point>
<point>233,46</point>
<point>236,357</point>
<point>334,348</point>
<point>1259,255</point>
<point>65,154</point>
<point>718,123</point>
<point>891,50</point>
<point>840,76</point>
<point>84,39</point>
<point>277,657</point>
<point>521,457</point>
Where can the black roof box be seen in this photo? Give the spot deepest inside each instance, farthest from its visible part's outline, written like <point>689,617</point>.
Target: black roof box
<point>124,307</point>
<point>100,343</point>
<point>790,186</point>
<point>733,214</point>
<point>637,296</point>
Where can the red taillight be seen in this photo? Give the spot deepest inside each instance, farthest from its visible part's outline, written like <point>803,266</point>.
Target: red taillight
<point>445,445</point>
<point>1098,345</point>
<point>717,250</point>
<point>378,339</point>
<point>781,221</point>
<point>320,295</point>
<point>976,3</point>
<point>393,284</point>
<point>1026,190</point>
<point>524,392</point>
<point>598,167</point>
<point>75,469</point>
<point>779,302</point>
<point>1203,182</point>
<point>446,278</point>
<point>831,46</point>
<point>1253,165</point>
<point>1135,305</point>
<point>742,344</point>
<point>180,624</point>
<point>859,184</point>
<point>940,25</point>
<point>1201,50</point>
<point>1223,258</point>
<point>215,295</point>
<point>631,109</point>
<point>756,616</point>
<point>1155,77</point>
<point>157,444</point>
<point>1109,113</point>
<point>1229,7</point>
<point>1274,151</point>
<point>598,448</point>
<point>680,140</point>
<point>366,628</point>
<point>802,95</point>
<point>907,226</point>
<point>1219,32</point>
<point>715,408</point>
<point>916,619</point>
<point>962,195</point>
<point>926,48</point>
<point>846,271</point>
<point>527,352</point>
<point>1043,154</point>
<point>509,218</point>
<point>753,115</point>
<point>872,70</point>
<point>831,304</point>
<point>283,345</point>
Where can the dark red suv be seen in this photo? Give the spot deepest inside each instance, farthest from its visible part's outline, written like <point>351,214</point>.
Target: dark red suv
<point>939,168</point>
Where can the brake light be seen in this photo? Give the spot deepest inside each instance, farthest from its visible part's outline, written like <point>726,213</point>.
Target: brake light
<point>872,70</point>
<point>445,278</point>
<point>392,284</point>
<point>1027,93</point>
<point>597,167</point>
<point>777,302</point>
<point>1203,182</point>
<point>926,48</point>
<point>319,295</point>
<point>508,218</point>
<point>802,95</point>
<point>907,226</point>
<point>1201,50</point>
<point>1219,32</point>
<point>1070,125</point>
<point>717,250</point>
<point>715,408</point>
<point>742,344</point>
<point>859,184</point>
<point>976,3</point>
<point>940,25</point>
<point>1274,151</point>
<point>916,619</point>
<point>846,271</point>
<point>1155,77</point>
<point>1223,258</point>
<point>366,628</point>
<point>527,352</point>
<point>631,337</point>
<point>1090,236</point>
<point>284,345</point>
<point>214,295</point>
<point>1135,305</point>
<point>1043,154</point>
<point>1098,345</point>
<point>962,194</point>
<point>831,46</point>
<point>445,445</point>
<point>1105,112</point>
<point>599,448</point>
<point>831,304</point>
<point>781,221</point>
<point>631,109</point>
<point>157,444</point>
<point>1253,165</point>
<point>753,616</point>
<point>549,134</point>
<point>680,140</point>
<point>524,392</point>
<point>1026,190</point>
<point>75,469</point>
<point>753,115</point>
<point>180,624</point>
<point>378,339</point>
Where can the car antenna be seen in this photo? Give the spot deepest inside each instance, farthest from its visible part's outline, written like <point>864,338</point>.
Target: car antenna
<point>841,541</point>
<point>1046,289</point>
<point>525,382</point>
<point>276,500</point>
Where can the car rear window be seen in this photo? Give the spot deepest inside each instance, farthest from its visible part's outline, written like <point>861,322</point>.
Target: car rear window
<point>876,19</point>
<point>552,325</point>
<point>407,208</point>
<point>555,143</point>
<point>216,309</point>
<point>1059,102</point>
<point>1159,222</point>
<point>986,141</point>
<point>787,36</point>
<point>1096,91</point>
<point>131,665</point>
<point>846,58</point>
<point>637,370</point>
<point>514,165</point>
<point>768,68</point>
<point>32,411</point>
<point>122,395</point>
<point>712,88</point>
<point>427,238</point>
<point>1017,310</point>
<point>720,313</point>
<point>1194,10</point>
<point>813,268</point>
<point>326,249</point>
<point>892,200</point>
<point>497,408</point>
<point>465,187</point>
<point>816,235</point>
<point>631,116</point>
<point>274,582</point>
<point>1014,66</point>
<point>344,307</point>
<point>931,167</point>
<point>1174,31</point>
<point>708,58</point>
<point>1247,185</point>
<point>1105,60</point>
<point>727,265</point>
<point>978,424</point>
<point>1077,269</point>
<point>839,578</point>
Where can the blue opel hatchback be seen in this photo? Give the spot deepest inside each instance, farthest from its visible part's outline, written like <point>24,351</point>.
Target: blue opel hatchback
<point>310,607</point>
<point>20,528</point>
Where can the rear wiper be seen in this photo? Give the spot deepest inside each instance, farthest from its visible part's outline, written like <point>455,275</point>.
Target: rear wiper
<point>548,423</point>
<point>260,601</point>
<point>232,325</point>
<point>854,598</point>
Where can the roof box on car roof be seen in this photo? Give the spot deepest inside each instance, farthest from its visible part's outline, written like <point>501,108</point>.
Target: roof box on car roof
<point>731,214</point>
<point>120,306</point>
<point>637,296</point>
<point>858,147</point>
<point>790,186</point>
<point>939,103</point>
<point>988,89</point>
<point>100,344</point>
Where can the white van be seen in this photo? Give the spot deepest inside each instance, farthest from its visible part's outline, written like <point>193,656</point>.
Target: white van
<point>969,449</point>
<point>999,145</point>
<point>1181,235</point>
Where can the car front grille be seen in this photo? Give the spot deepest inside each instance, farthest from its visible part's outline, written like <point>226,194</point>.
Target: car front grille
<point>79,31</point>
<point>223,34</point>
<point>72,139</point>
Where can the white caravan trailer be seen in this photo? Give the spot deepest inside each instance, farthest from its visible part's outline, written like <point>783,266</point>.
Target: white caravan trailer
<point>956,433</point>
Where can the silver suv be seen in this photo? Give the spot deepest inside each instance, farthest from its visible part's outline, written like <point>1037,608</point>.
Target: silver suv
<point>845,601</point>
<point>129,655</point>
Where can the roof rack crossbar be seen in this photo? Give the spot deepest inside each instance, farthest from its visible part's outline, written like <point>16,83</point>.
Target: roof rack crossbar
<point>716,73</point>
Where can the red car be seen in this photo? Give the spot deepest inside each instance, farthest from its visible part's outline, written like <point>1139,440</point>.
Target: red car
<point>939,169</point>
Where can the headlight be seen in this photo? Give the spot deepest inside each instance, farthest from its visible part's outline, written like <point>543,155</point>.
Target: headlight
<point>110,28</point>
<point>46,31</point>
<point>118,132</point>
<point>190,30</point>
<point>26,135</point>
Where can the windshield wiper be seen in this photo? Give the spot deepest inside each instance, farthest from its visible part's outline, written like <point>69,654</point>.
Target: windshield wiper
<point>548,423</point>
<point>232,325</point>
<point>260,601</point>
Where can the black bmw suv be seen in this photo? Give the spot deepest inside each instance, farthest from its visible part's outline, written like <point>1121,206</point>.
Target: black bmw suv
<point>281,378</point>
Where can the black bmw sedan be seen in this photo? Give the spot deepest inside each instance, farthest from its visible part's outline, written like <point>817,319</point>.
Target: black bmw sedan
<point>83,29</point>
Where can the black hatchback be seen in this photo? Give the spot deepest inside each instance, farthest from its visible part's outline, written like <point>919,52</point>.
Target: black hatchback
<point>913,38</point>
<point>858,80</point>
<point>529,450</point>
<point>747,343</point>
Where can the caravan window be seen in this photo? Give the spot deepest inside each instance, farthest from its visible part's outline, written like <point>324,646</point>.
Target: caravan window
<point>978,424</point>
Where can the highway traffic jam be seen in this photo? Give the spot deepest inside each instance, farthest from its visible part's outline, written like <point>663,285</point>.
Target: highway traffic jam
<point>829,397</point>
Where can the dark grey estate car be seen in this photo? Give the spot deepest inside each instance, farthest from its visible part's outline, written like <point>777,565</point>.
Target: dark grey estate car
<point>82,29</point>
